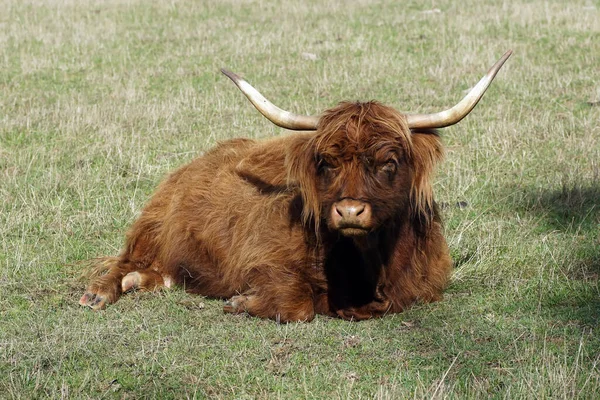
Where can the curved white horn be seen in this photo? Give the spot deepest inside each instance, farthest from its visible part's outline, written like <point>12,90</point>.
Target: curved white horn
<point>463,108</point>
<point>276,115</point>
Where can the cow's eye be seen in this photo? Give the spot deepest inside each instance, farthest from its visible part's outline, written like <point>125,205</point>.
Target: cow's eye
<point>388,167</point>
<point>323,166</point>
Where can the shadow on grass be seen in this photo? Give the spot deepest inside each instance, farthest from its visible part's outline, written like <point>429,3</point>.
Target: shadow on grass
<point>568,208</point>
<point>571,213</point>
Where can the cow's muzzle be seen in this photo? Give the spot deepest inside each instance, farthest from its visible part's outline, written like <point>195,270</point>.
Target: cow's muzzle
<point>351,217</point>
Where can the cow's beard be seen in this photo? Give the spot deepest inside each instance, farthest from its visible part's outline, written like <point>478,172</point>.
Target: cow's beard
<point>352,232</point>
<point>363,239</point>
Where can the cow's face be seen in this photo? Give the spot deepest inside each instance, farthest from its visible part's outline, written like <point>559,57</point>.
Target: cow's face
<point>362,168</point>
<point>362,177</point>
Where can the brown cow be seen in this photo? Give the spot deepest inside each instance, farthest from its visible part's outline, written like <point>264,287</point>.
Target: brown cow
<point>340,221</point>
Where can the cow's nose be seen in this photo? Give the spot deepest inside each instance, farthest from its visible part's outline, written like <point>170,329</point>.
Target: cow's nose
<point>350,213</point>
<point>347,210</point>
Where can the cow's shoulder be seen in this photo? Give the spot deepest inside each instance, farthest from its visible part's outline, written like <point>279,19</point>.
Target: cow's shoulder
<point>264,165</point>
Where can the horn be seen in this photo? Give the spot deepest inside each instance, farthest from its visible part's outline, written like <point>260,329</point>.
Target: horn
<point>276,115</point>
<point>297,122</point>
<point>460,110</point>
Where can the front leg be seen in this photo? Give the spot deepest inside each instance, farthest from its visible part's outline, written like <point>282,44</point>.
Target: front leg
<point>379,306</point>
<point>275,294</point>
<point>264,306</point>
<point>374,309</point>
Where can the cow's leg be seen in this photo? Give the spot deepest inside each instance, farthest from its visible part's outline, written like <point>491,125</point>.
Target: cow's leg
<point>106,288</point>
<point>136,267</point>
<point>374,309</point>
<point>283,302</point>
<point>380,306</point>
<point>301,310</point>
<point>117,275</point>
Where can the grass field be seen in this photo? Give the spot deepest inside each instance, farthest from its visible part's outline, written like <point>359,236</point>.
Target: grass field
<point>100,99</point>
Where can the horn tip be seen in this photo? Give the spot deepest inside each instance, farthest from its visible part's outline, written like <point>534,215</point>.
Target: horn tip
<point>234,77</point>
<point>496,67</point>
<point>505,57</point>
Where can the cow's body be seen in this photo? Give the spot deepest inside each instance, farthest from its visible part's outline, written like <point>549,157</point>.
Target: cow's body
<point>233,224</point>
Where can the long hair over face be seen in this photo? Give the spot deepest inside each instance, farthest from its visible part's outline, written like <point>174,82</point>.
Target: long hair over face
<point>351,130</point>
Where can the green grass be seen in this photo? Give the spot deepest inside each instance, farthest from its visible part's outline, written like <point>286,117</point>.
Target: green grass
<point>101,99</point>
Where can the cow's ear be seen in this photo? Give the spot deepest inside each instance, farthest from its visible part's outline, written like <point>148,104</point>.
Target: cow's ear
<point>427,151</point>
<point>301,166</point>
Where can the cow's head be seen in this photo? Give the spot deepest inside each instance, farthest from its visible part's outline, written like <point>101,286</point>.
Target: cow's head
<point>362,167</point>
<point>366,162</point>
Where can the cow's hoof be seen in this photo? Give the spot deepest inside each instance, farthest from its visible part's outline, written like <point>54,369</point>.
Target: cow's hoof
<point>235,305</point>
<point>93,300</point>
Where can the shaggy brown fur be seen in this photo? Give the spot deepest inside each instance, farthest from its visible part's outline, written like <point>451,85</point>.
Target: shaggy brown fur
<point>339,222</point>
